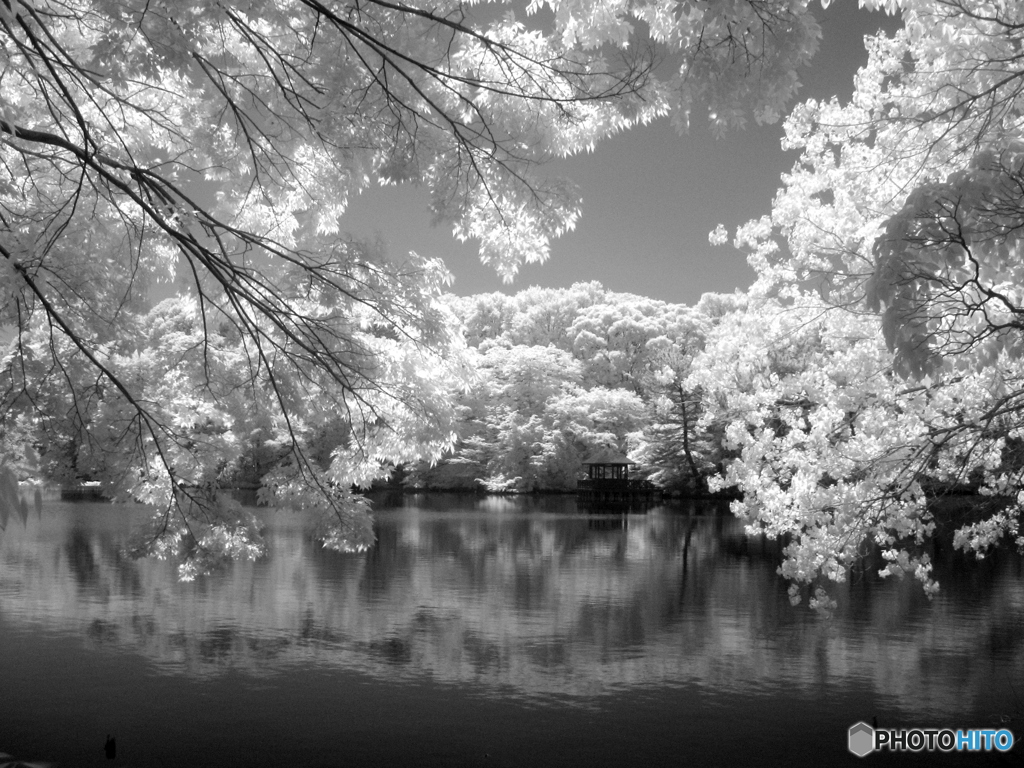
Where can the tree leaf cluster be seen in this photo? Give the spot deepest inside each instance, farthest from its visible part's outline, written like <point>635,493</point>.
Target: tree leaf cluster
<point>565,373</point>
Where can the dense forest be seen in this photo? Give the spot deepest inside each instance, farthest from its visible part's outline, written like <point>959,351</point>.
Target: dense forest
<point>212,149</point>
<point>562,374</point>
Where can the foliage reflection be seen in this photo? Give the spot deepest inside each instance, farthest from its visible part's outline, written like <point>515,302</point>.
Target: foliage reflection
<point>518,597</point>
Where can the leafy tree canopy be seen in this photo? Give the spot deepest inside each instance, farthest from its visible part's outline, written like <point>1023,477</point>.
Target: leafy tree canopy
<point>215,146</point>
<point>889,295</point>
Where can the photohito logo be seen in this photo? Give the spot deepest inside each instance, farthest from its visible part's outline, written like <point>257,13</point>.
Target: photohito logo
<point>862,739</point>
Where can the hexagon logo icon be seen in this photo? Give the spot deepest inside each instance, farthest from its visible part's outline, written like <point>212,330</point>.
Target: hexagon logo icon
<point>861,739</point>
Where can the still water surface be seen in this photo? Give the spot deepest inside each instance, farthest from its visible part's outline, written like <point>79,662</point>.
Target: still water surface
<point>486,632</point>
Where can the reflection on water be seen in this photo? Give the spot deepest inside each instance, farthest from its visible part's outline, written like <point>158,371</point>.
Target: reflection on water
<point>522,601</point>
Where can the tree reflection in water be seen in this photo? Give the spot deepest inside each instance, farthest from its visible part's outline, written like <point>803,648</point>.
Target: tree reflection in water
<point>527,601</point>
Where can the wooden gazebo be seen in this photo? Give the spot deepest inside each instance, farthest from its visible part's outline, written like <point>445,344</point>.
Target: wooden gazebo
<point>608,479</point>
<point>607,464</point>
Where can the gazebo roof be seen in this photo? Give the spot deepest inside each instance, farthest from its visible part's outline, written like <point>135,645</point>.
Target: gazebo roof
<point>607,455</point>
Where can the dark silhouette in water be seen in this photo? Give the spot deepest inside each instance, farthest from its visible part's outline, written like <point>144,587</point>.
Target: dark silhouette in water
<point>110,747</point>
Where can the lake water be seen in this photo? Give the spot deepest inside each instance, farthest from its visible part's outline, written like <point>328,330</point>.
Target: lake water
<point>486,632</point>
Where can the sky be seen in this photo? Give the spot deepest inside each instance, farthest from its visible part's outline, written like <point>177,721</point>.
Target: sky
<point>650,196</point>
